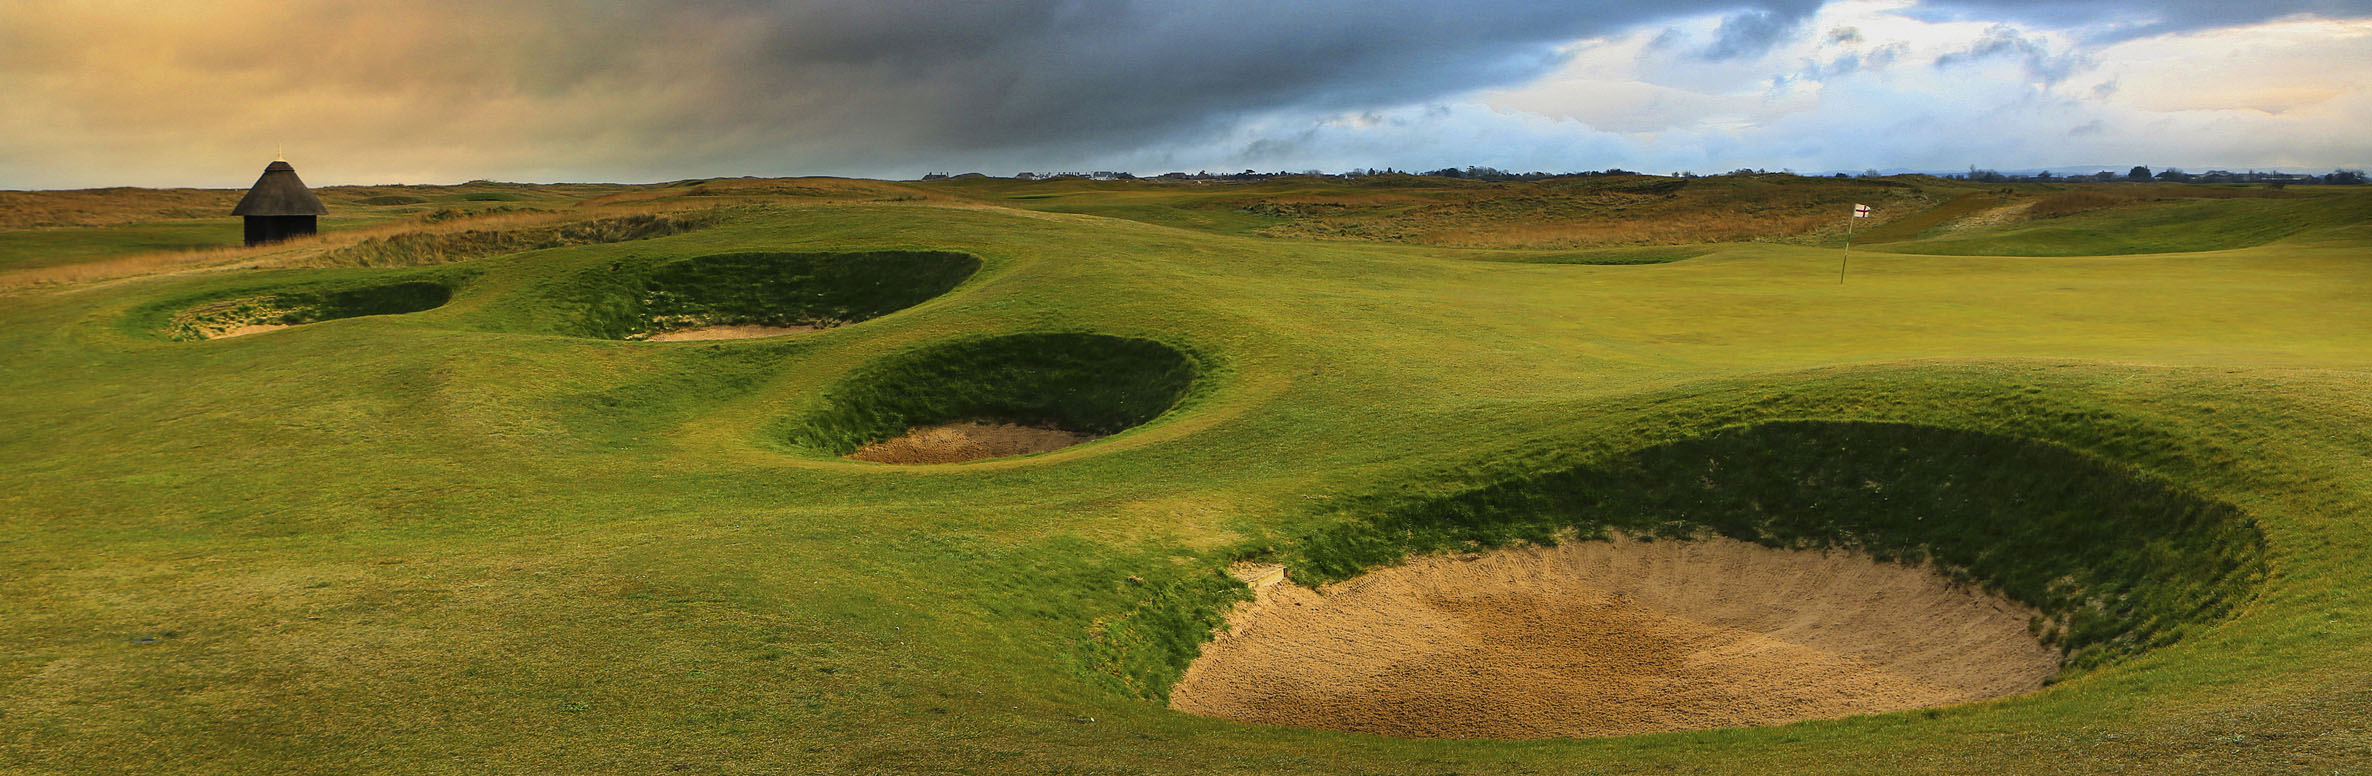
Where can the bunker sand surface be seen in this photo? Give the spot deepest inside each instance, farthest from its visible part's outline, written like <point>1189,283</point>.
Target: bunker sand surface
<point>704,333</point>
<point>252,328</point>
<point>1605,638</point>
<point>968,441</point>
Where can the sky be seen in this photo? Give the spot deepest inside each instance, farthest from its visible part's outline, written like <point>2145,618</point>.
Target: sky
<point>169,93</point>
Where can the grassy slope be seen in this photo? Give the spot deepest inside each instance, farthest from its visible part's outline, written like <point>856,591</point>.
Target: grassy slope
<point>455,541</point>
<point>47,229</point>
<point>1553,215</point>
<point>2158,227</point>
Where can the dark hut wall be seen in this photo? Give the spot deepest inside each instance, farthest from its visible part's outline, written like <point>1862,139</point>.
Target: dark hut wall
<point>272,229</point>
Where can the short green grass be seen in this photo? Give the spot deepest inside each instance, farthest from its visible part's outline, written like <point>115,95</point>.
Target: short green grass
<point>468,540</point>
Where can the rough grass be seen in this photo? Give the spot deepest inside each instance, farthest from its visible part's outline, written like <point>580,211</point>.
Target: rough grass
<point>633,299</point>
<point>419,248</point>
<point>53,257</point>
<point>2089,224</point>
<point>1142,652</point>
<point>787,289</point>
<point>1604,256</point>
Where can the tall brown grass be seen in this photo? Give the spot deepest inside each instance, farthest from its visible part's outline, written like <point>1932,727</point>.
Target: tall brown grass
<point>110,207</point>
<point>1588,214</point>
<point>405,243</point>
<point>490,237</point>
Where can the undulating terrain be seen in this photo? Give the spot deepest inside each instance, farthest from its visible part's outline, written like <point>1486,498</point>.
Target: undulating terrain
<point>449,503</point>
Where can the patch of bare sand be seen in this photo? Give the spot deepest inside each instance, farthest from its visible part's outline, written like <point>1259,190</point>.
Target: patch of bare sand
<point>1594,638</point>
<point>700,333</point>
<point>968,441</point>
<point>252,328</point>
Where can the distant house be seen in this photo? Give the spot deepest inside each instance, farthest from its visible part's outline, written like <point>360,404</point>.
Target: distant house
<point>279,206</point>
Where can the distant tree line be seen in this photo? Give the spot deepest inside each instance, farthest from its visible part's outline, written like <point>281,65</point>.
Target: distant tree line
<point>2169,175</point>
<point>2342,177</point>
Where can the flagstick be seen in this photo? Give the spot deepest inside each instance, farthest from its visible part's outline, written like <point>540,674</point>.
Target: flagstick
<point>1848,245</point>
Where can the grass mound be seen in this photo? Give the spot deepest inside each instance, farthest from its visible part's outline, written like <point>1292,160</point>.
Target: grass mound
<point>2116,562</point>
<point>771,290</point>
<point>1084,383</point>
<point>2092,223</point>
<point>439,247</point>
<point>1650,254</point>
<point>228,316</point>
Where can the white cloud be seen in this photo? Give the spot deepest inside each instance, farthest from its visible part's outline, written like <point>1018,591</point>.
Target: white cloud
<point>1863,84</point>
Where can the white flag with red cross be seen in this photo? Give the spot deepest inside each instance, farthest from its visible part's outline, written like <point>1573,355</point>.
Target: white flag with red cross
<point>1861,211</point>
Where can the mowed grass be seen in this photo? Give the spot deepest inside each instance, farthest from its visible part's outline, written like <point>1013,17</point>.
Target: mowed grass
<point>466,540</point>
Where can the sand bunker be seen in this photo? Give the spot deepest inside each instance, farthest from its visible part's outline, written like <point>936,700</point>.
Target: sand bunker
<point>257,314</point>
<point>763,294</point>
<point>252,328</point>
<point>1597,638</point>
<point>942,403</point>
<point>968,441</point>
<point>703,333</point>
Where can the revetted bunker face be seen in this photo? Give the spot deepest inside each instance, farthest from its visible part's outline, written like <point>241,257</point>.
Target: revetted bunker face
<point>1593,638</point>
<point>2101,562</point>
<point>255,314</point>
<point>1068,387</point>
<point>758,294</point>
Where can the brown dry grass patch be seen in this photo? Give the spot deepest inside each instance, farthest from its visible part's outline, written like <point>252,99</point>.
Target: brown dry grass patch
<point>969,440</point>
<point>406,243</point>
<point>1589,213</point>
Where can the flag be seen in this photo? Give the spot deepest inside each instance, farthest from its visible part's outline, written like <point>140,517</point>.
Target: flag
<point>1861,211</point>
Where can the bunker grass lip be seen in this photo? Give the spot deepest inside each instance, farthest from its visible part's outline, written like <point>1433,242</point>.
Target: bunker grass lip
<point>1084,385</point>
<point>763,293</point>
<point>2109,563</point>
<point>267,312</point>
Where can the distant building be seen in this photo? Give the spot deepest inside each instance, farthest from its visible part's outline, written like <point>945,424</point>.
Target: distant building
<point>279,206</point>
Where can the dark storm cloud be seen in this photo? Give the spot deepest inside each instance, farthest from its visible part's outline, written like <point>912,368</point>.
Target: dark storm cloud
<point>1752,33</point>
<point>2126,19</point>
<point>637,87</point>
<point>1044,72</point>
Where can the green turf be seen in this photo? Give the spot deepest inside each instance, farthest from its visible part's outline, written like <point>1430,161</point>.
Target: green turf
<point>474,539</point>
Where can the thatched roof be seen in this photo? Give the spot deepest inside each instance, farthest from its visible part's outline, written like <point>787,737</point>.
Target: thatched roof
<point>279,193</point>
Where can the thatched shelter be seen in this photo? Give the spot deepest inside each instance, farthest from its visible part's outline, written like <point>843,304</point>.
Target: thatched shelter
<point>279,206</point>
